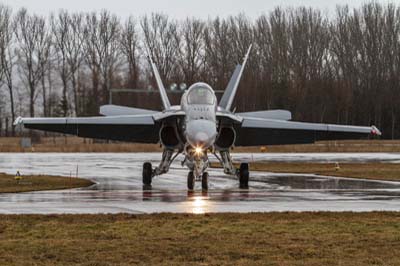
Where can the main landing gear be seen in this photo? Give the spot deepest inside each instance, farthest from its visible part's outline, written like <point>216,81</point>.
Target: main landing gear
<point>147,173</point>
<point>197,170</point>
<point>243,173</point>
<point>191,180</point>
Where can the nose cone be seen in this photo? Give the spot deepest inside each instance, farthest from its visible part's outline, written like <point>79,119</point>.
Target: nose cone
<point>201,137</point>
<point>201,133</point>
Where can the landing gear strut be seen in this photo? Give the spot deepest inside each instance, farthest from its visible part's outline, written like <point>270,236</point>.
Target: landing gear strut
<point>226,161</point>
<point>244,175</point>
<point>147,173</point>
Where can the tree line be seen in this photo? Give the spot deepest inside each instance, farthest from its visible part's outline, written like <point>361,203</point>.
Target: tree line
<point>341,67</point>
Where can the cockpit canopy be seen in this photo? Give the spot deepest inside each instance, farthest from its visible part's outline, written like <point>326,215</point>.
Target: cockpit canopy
<point>201,94</point>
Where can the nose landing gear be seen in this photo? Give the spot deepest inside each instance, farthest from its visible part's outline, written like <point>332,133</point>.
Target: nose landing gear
<point>191,180</point>
<point>204,181</point>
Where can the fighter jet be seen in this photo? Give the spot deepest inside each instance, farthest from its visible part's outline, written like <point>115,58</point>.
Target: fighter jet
<point>200,126</point>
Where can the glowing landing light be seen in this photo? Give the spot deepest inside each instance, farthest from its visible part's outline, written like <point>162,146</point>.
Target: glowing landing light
<point>198,151</point>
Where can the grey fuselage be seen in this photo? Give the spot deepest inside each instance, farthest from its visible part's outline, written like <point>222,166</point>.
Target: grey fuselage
<point>200,126</point>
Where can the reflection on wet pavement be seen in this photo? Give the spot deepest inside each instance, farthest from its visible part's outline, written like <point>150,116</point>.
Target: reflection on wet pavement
<point>119,187</point>
<point>326,183</point>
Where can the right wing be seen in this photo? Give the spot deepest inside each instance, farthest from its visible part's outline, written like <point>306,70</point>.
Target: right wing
<point>116,110</point>
<point>136,128</point>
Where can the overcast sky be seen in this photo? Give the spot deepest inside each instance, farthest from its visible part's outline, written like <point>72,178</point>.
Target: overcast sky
<point>177,8</point>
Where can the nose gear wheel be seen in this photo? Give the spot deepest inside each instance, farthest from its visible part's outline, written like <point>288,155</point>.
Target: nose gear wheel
<point>204,181</point>
<point>190,180</point>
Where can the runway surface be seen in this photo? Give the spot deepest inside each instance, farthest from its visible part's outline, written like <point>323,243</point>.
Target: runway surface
<point>119,186</point>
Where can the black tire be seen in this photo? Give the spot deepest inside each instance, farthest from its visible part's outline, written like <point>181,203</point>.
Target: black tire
<point>204,181</point>
<point>244,175</point>
<point>190,180</point>
<point>147,173</point>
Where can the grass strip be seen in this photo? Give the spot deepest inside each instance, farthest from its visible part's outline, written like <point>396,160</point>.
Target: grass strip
<point>211,239</point>
<point>8,183</point>
<point>376,171</point>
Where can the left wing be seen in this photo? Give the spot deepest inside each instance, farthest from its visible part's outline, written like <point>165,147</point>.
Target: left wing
<point>132,128</point>
<point>258,131</point>
<point>269,114</point>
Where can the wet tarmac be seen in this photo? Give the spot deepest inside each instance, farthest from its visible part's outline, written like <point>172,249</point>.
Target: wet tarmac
<point>119,187</point>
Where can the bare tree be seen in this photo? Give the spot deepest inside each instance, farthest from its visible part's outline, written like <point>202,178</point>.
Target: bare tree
<point>44,57</point>
<point>241,32</point>
<point>391,62</point>
<point>93,57</point>
<point>74,55</point>
<point>130,50</point>
<point>308,49</point>
<point>101,54</point>
<point>7,55</point>
<point>60,26</point>
<point>162,39</point>
<point>272,45</point>
<point>33,43</point>
<point>191,58</point>
<point>219,58</point>
<point>109,48</point>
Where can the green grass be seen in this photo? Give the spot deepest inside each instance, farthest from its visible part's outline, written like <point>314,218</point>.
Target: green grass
<point>376,171</point>
<point>211,239</point>
<point>8,184</point>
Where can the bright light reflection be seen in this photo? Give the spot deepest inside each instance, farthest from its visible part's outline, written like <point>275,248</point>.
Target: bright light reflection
<point>199,205</point>
<point>198,151</point>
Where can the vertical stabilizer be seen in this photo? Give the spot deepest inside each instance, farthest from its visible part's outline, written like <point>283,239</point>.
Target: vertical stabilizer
<point>230,91</point>
<point>160,85</point>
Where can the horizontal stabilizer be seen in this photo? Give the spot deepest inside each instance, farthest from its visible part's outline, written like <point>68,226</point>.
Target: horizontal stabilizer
<point>270,114</point>
<point>116,110</point>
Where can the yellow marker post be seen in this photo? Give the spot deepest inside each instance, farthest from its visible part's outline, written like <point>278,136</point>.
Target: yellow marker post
<point>18,177</point>
<point>337,166</point>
